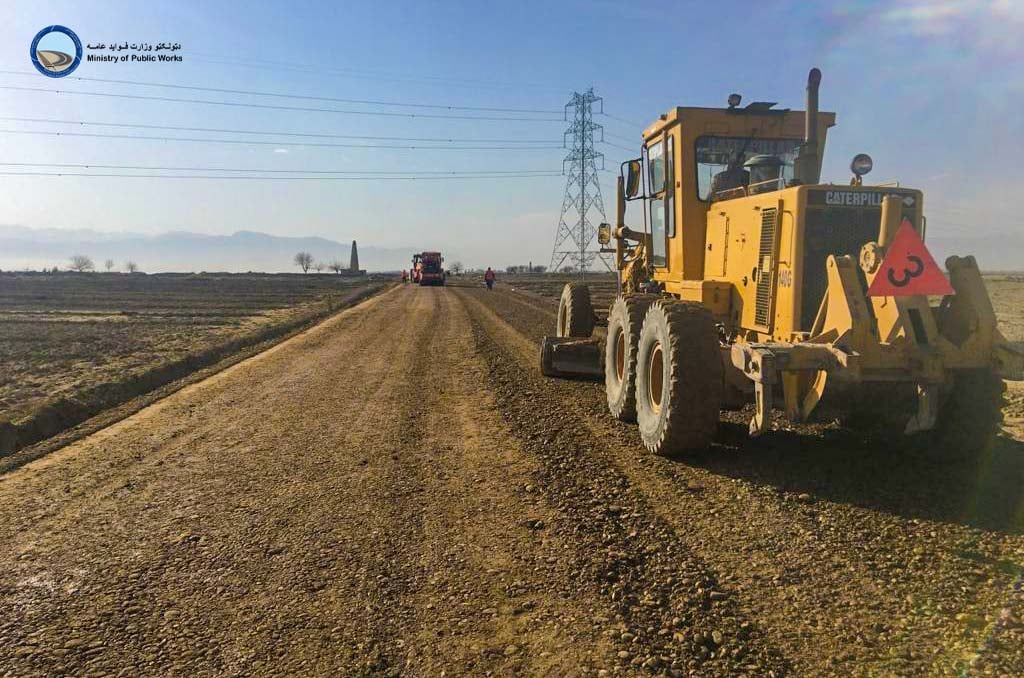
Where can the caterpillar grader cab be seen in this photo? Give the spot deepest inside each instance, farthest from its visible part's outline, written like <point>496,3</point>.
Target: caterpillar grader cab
<point>744,279</point>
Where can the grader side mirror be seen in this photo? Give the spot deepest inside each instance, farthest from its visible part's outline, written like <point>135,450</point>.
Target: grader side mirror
<point>604,234</point>
<point>632,178</point>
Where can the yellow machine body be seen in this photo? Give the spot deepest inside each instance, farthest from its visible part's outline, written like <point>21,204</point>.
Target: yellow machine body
<point>784,267</point>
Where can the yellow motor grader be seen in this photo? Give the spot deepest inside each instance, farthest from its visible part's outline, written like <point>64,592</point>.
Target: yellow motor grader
<point>751,281</point>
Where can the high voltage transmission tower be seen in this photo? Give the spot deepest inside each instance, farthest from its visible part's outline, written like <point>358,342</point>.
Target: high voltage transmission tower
<point>582,189</point>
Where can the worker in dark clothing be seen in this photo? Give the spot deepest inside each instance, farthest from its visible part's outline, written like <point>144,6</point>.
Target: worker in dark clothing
<point>489,278</point>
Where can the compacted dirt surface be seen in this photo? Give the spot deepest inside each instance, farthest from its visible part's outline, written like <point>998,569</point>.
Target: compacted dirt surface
<point>398,492</point>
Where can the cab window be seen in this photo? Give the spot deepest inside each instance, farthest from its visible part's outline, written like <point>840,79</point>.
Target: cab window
<point>656,167</point>
<point>723,157</point>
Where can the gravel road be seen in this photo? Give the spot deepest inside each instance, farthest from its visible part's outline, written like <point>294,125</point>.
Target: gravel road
<point>398,492</point>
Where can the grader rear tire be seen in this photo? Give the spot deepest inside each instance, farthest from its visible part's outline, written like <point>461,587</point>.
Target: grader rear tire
<point>970,416</point>
<point>575,312</point>
<point>625,320</point>
<point>679,378</point>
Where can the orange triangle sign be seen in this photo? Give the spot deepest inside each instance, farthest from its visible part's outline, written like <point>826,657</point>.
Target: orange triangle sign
<point>908,268</point>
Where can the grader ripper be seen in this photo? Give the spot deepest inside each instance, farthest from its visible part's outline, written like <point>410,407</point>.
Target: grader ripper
<point>749,280</point>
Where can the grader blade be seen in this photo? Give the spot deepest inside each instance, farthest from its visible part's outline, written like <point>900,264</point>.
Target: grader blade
<point>570,357</point>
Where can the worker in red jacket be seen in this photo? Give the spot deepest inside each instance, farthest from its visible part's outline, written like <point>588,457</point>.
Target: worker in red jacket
<point>489,278</point>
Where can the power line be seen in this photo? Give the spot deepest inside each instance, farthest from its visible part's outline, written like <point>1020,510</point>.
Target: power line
<point>544,172</point>
<point>625,148</point>
<point>277,95</point>
<point>307,109</point>
<point>623,120</point>
<point>620,138</point>
<point>283,134</point>
<point>278,178</point>
<point>255,142</point>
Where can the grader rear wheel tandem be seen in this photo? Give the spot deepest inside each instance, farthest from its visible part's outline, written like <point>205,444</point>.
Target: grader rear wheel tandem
<point>679,378</point>
<point>625,320</point>
<point>971,416</point>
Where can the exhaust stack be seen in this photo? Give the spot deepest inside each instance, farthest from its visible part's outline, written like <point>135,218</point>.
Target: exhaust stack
<point>808,170</point>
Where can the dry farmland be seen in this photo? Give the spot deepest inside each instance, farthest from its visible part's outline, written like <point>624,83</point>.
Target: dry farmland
<point>73,344</point>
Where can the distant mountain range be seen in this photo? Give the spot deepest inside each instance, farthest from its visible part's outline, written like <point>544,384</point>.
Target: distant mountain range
<point>27,248</point>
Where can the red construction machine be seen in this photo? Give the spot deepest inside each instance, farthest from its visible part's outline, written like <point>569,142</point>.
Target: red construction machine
<point>427,268</point>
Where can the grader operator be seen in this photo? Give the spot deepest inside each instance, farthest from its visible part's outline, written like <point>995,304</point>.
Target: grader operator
<point>751,281</point>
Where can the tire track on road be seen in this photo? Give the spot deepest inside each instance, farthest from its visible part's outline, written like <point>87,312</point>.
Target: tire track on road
<point>498,589</point>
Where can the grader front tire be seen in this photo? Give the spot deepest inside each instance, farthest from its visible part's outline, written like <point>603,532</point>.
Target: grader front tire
<point>625,320</point>
<point>575,311</point>
<point>679,378</point>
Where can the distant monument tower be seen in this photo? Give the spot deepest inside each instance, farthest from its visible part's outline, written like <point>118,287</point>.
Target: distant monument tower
<point>354,261</point>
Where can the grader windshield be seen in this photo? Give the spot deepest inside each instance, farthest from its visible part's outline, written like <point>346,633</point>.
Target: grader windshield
<point>724,156</point>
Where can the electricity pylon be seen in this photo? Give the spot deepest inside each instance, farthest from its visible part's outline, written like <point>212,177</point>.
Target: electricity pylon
<point>582,188</point>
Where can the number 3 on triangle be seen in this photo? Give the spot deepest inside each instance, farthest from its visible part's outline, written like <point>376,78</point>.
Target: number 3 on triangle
<point>908,268</point>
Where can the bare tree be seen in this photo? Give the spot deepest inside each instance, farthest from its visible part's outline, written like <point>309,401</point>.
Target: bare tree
<point>457,268</point>
<point>568,269</point>
<point>109,265</point>
<point>303,260</point>
<point>319,266</point>
<point>81,263</point>
<point>131,267</point>
<point>336,266</point>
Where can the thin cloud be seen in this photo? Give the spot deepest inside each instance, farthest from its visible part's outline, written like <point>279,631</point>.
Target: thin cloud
<point>930,18</point>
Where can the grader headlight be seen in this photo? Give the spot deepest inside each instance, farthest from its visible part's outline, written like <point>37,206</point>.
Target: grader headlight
<point>861,164</point>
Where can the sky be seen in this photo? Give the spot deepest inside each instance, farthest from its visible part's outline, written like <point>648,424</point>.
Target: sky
<point>933,91</point>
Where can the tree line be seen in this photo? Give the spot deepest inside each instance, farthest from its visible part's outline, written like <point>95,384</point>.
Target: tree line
<point>307,263</point>
<point>81,263</point>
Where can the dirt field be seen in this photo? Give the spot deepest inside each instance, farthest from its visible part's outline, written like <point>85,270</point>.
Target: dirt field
<point>399,492</point>
<point>1007,291</point>
<point>71,345</point>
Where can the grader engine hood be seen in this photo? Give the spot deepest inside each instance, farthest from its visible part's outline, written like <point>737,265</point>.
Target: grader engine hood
<point>838,221</point>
